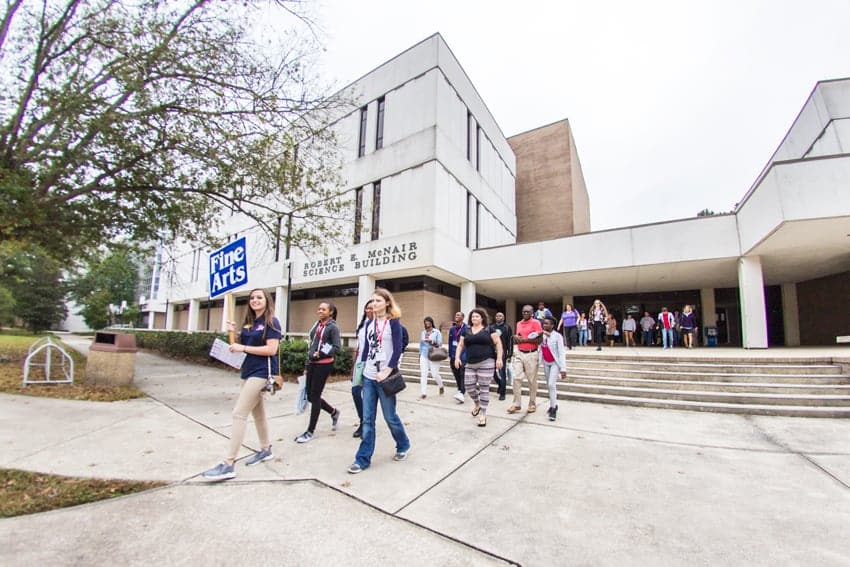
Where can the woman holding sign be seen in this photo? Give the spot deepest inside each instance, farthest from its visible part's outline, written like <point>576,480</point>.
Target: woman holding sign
<point>259,340</point>
<point>324,344</point>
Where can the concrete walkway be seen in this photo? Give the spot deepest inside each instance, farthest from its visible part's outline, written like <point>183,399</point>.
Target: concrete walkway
<point>604,485</point>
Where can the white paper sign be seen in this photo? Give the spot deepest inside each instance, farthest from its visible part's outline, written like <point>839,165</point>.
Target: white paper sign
<point>221,351</point>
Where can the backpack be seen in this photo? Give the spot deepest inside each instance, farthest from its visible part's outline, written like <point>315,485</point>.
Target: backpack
<point>405,338</point>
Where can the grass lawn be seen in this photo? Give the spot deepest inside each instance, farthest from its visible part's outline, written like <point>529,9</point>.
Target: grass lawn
<point>23,492</point>
<point>13,352</point>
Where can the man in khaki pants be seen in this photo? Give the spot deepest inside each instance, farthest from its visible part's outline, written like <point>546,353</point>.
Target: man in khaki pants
<point>528,335</point>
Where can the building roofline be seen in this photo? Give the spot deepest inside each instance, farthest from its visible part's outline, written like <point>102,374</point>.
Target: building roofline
<point>567,120</point>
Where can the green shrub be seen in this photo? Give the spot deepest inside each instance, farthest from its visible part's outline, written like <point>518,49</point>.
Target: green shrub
<point>196,346</point>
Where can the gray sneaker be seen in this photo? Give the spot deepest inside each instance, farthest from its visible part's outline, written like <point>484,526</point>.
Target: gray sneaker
<point>221,471</point>
<point>259,457</point>
<point>305,437</point>
<point>334,419</point>
<point>402,455</point>
<point>354,468</point>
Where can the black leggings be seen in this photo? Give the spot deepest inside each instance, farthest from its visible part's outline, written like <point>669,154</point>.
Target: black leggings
<point>317,375</point>
<point>598,332</point>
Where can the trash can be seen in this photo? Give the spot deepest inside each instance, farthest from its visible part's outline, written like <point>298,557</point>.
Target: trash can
<point>711,336</point>
<point>112,359</point>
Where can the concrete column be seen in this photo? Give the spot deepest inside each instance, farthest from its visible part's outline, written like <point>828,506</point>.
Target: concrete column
<point>790,314</point>
<point>194,314</point>
<point>467,298</point>
<point>753,313</point>
<point>365,289</point>
<point>707,316</point>
<point>510,312</point>
<point>169,316</point>
<point>281,305</point>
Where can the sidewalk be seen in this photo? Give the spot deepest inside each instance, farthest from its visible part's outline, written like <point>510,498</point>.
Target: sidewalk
<point>604,485</point>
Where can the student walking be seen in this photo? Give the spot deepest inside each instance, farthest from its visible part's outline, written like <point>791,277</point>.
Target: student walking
<point>484,356</point>
<point>357,389</point>
<point>553,357</point>
<point>381,353</point>
<point>259,339</point>
<point>324,345</point>
<point>430,339</point>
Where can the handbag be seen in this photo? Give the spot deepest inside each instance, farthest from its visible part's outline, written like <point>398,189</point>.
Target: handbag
<point>394,383</point>
<point>357,379</point>
<point>275,383</point>
<point>437,354</point>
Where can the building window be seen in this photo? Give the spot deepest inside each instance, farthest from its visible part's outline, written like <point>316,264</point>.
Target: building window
<point>358,214</point>
<point>379,136</point>
<point>376,210</point>
<point>469,199</point>
<point>477,225</point>
<point>478,148</point>
<point>468,135</point>
<point>361,148</point>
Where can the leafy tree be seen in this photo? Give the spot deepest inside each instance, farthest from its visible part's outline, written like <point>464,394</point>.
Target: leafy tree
<point>148,118</point>
<point>36,283</point>
<point>112,279</point>
<point>7,306</point>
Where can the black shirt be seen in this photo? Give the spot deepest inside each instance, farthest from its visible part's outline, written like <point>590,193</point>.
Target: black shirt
<point>478,346</point>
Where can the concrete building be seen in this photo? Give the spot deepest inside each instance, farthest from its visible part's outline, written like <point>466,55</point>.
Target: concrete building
<point>450,214</point>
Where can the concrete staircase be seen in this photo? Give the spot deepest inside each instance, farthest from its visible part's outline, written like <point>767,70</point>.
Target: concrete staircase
<point>803,387</point>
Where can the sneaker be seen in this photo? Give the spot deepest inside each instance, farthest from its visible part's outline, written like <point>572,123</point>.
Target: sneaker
<point>442,390</point>
<point>401,455</point>
<point>304,437</point>
<point>459,397</point>
<point>553,413</point>
<point>260,456</point>
<point>221,471</point>
<point>600,348</point>
<point>501,397</point>
<point>354,468</point>
<point>358,432</point>
<point>334,419</point>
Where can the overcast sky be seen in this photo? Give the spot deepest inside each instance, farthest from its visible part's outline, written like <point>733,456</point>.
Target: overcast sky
<point>675,106</point>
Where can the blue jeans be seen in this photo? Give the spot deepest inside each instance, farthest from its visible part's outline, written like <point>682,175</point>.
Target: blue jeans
<point>667,337</point>
<point>372,392</point>
<point>582,337</point>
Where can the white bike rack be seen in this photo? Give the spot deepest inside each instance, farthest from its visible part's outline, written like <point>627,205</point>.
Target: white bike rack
<point>66,363</point>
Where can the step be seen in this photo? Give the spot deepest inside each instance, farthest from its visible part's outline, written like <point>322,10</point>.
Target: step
<point>705,368</point>
<point>717,407</point>
<point>832,388</point>
<point>831,378</point>
<point>760,398</point>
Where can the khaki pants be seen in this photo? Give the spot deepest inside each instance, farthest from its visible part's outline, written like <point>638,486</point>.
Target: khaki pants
<point>524,366</point>
<point>250,401</point>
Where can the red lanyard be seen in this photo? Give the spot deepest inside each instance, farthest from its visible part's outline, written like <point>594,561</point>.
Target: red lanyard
<point>320,331</point>
<point>380,334</point>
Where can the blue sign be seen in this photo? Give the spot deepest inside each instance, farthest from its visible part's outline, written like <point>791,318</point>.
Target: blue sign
<point>228,268</point>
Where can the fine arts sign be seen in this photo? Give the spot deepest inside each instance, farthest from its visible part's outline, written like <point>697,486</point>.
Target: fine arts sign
<point>383,256</point>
